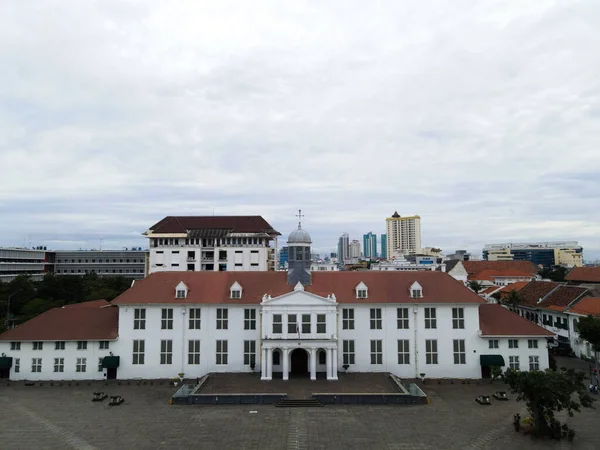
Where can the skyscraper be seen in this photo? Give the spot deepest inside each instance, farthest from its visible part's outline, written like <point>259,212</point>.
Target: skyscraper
<point>343,248</point>
<point>355,249</point>
<point>384,253</point>
<point>403,234</point>
<point>370,245</point>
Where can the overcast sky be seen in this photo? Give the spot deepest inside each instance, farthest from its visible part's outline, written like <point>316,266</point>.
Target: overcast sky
<point>483,117</point>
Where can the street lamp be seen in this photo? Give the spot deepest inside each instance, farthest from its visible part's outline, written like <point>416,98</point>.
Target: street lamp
<point>8,307</point>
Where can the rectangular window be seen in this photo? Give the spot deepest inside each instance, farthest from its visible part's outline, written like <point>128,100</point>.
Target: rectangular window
<point>416,293</point>
<point>375,319</point>
<point>236,293</point>
<point>59,364</point>
<point>222,321</point>
<point>36,365</point>
<point>321,324</point>
<point>249,353</point>
<point>38,345</point>
<point>179,293</point>
<point>166,351</point>
<point>306,323</point>
<point>139,319</point>
<point>100,368</point>
<point>460,355</point>
<point>195,318</point>
<point>361,293</point>
<point>402,318</point>
<point>403,351</point>
<point>277,324</point>
<point>194,352</point>
<point>513,362</point>
<point>377,352</point>
<point>81,345</point>
<point>431,356</point>
<point>221,352</point>
<point>249,319</point>
<point>513,343</point>
<point>430,318</point>
<point>348,352</point>
<point>292,324</point>
<point>348,319</point>
<point>59,345</point>
<point>17,365</point>
<point>138,351</point>
<point>166,322</point>
<point>534,363</point>
<point>15,346</point>
<point>458,318</point>
<point>80,365</point>
<point>104,345</point>
<point>532,343</point>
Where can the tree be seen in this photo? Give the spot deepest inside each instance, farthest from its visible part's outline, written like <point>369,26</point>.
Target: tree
<point>475,286</point>
<point>546,392</point>
<point>513,299</point>
<point>589,329</point>
<point>554,273</point>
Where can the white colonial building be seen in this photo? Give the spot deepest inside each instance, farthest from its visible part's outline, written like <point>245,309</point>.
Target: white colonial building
<point>212,243</point>
<point>281,324</point>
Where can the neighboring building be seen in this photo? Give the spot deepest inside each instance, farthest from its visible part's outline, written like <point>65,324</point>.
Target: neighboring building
<point>298,322</point>
<point>468,270</point>
<point>370,245</point>
<point>323,266</point>
<point>384,253</point>
<point>283,258</point>
<point>354,249</point>
<point>401,263</point>
<point>403,234</point>
<point>343,249</point>
<point>104,263</point>
<point>545,254</point>
<point>216,244</point>
<point>21,261</point>
<point>588,306</point>
<point>459,255</point>
<point>500,277</point>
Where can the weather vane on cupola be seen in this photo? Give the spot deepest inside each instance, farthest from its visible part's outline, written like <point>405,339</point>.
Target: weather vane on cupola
<point>299,216</point>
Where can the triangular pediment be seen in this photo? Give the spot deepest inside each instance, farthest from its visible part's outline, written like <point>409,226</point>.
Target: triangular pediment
<point>299,298</point>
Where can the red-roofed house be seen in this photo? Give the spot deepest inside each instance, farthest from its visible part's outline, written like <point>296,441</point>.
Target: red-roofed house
<point>278,323</point>
<point>588,306</point>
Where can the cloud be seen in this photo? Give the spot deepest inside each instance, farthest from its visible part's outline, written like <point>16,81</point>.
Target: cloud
<point>481,117</point>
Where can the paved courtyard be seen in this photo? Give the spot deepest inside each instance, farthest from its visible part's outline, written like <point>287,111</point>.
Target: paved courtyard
<point>55,417</point>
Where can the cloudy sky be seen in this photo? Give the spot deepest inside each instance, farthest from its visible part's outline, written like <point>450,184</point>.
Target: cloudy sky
<point>482,117</point>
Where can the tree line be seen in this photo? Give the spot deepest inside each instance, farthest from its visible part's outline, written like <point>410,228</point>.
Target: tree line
<point>22,298</point>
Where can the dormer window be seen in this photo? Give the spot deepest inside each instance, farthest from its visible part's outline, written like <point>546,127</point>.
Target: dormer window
<point>235,291</point>
<point>181,290</point>
<point>416,290</point>
<point>362,291</point>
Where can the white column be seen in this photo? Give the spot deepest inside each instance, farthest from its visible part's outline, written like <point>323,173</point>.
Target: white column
<point>313,364</point>
<point>263,364</point>
<point>335,364</point>
<point>269,364</point>
<point>286,365</point>
<point>329,360</point>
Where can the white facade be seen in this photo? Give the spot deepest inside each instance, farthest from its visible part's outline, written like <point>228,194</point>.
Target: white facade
<point>402,264</point>
<point>403,234</point>
<point>22,261</point>
<point>355,249</point>
<point>324,266</point>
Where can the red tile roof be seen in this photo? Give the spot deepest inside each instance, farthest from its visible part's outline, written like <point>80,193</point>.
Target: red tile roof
<point>513,287</point>
<point>236,224</point>
<point>80,322</point>
<point>473,267</point>
<point>562,296</point>
<point>534,291</point>
<point>490,290</point>
<point>584,274</point>
<point>496,320</point>
<point>90,304</point>
<point>492,274</point>
<point>586,306</point>
<point>213,287</point>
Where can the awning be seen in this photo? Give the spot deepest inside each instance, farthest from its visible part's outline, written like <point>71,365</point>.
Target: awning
<point>110,362</point>
<point>492,360</point>
<point>5,362</point>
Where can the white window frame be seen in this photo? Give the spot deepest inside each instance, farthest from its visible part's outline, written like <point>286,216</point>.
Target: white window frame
<point>17,365</point>
<point>532,343</point>
<point>194,352</point>
<point>493,343</point>
<point>321,323</point>
<point>348,356</point>
<point>36,365</point>
<point>166,352</point>
<point>38,345</point>
<point>180,293</point>
<point>59,345</point>
<point>277,327</point>
<point>81,345</point>
<point>249,319</point>
<point>375,319</point>
<point>139,319</point>
<point>222,318</point>
<point>402,318</point>
<point>430,319</point>
<point>166,319</point>
<point>416,293</point>
<point>347,318</point>
<point>235,294</point>
<point>221,352</point>
<point>104,345</point>
<point>362,293</point>
<point>59,365</point>
<point>80,365</point>
<point>195,319</point>
<point>403,351</point>
<point>459,350</point>
<point>306,323</point>
<point>139,351</point>
<point>376,352</point>
<point>249,353</point>
<point>513,362</point>
<point>534,362</point>
<point>15,346</point>
<point>458,318</point>
<point>431,351</point>
<point>513,343</point>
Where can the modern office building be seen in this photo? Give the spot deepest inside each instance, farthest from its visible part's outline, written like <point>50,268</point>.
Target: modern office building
<point>212,243</point>
<point>370,245</point>
<point>283,258</point>
<point>343,248</point>
<point>384,253</point>
<point>354,249</point>
<point>545,254</point>
<point>23,261</point>
<point>129,263</point>
<point>403,235</point>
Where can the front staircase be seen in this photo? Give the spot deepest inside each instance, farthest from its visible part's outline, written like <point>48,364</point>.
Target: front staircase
<point>298,403</point>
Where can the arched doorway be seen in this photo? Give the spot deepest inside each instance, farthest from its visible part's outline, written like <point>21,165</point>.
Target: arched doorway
<point>299,362</point>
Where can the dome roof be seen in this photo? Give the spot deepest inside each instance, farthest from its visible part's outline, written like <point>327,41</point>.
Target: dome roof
<point>299,236</point>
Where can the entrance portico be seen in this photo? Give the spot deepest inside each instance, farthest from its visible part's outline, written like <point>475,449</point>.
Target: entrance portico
<point>292,360</point>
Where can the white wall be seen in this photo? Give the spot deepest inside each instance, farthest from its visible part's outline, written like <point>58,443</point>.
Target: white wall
<point>238,258</point>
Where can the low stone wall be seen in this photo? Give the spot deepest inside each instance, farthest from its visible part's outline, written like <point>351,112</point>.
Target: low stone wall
<point>228,399</point>
<point>369,399</point>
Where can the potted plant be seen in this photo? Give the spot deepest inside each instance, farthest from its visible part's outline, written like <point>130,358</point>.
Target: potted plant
<point>175,381</point>
<point>346,366</point>
<point>180,375</point>
<point>252,366</point>
<point>422,374</point>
